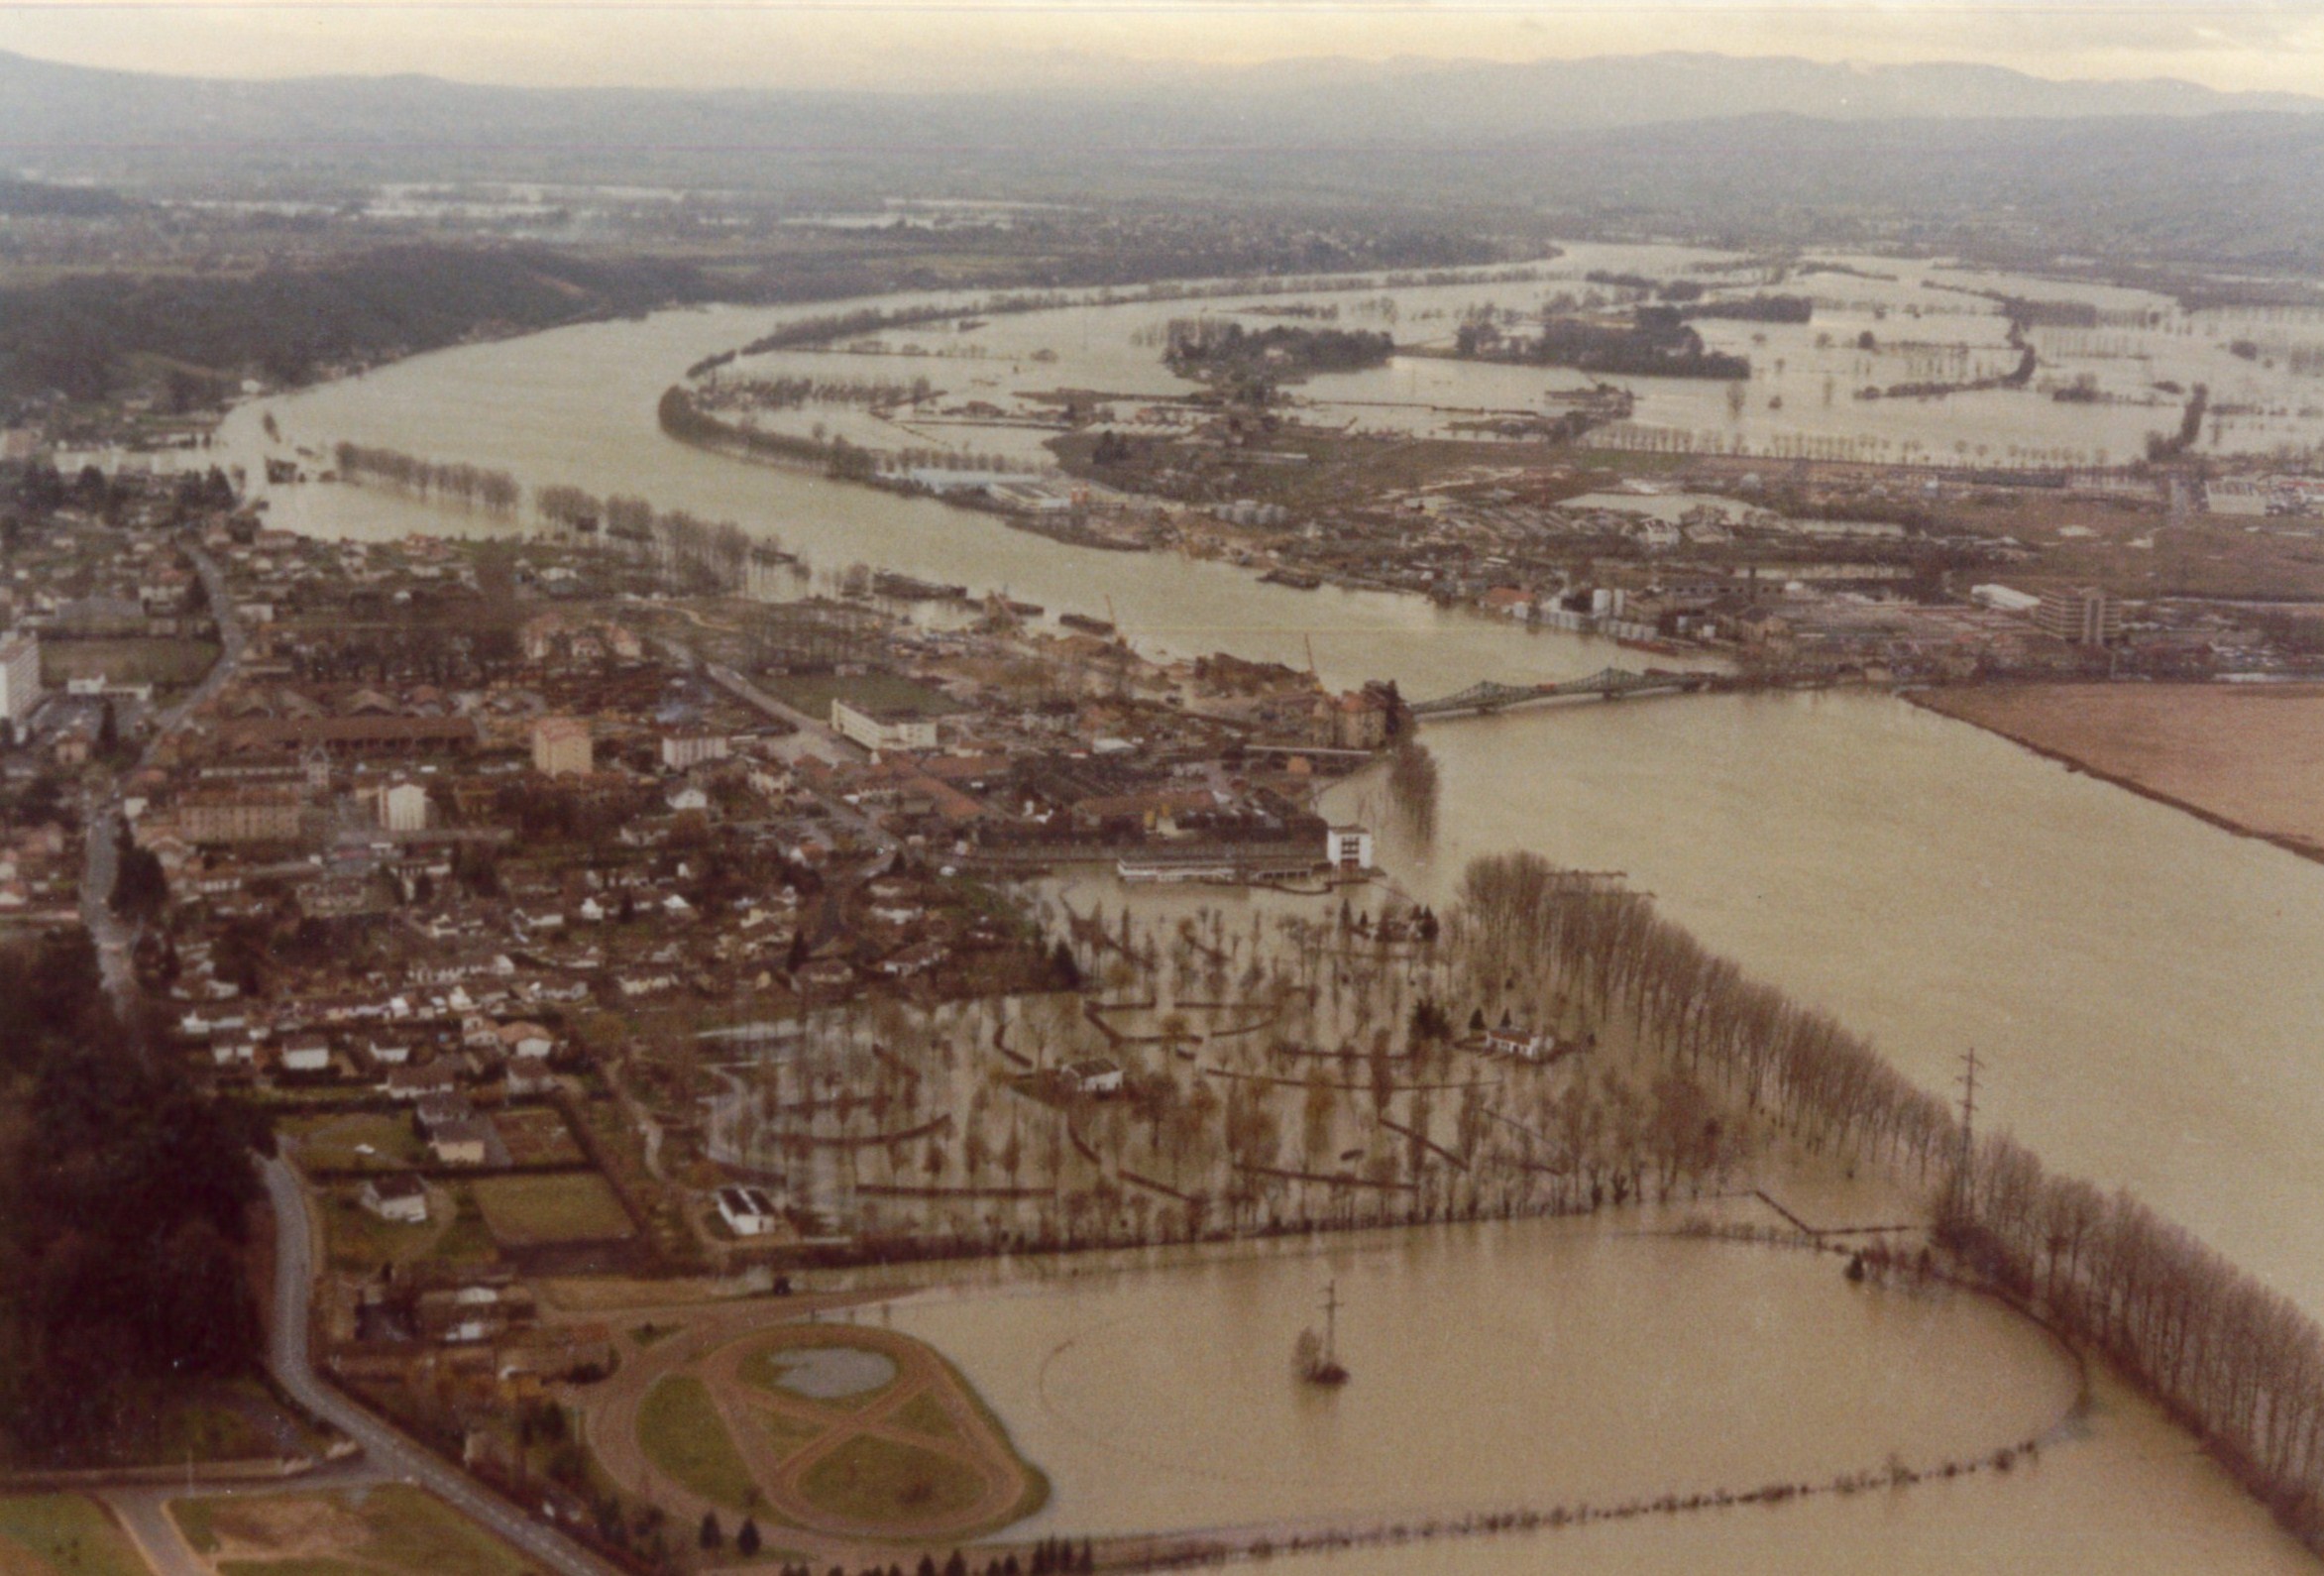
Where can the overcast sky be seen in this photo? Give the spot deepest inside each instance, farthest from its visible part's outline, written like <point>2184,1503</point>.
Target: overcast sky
<point>1013,42</point>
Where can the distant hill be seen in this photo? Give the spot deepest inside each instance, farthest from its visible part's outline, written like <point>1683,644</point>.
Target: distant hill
<point>74,334</point>
<point>1765,149</point>
<point>72,118</point>
<point>1452,102</point>
<point>38,199</point>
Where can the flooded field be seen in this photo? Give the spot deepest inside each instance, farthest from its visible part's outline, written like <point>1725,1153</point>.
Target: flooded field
<point>2125,361</point>
<point>1550,1363</point>
<point>2141,984</point>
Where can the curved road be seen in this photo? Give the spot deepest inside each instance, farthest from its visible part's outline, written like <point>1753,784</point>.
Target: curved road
<point>387,1449</point>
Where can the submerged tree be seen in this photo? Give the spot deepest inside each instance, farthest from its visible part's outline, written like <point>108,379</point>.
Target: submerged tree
<point>1412,787</point>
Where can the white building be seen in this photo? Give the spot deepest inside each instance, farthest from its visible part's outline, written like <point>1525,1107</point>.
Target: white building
<point>2004,599</point>
<point>1517,1040</point>
<point>681,750</point>
<point>1348,847</point>
<point>307,1054</point>
<point>883,731</point>
<point>402,1198</point>
<point>404,808</point>
<point>527,1039</point>
<point>748,1211</point>
<point>1095,1077</point>
<point>20,677</point>
<point>561,748</point>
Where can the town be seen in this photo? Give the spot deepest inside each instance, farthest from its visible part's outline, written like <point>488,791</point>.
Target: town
<point>1364,797</point>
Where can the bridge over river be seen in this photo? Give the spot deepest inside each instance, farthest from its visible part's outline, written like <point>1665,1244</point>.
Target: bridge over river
<point>1606,684</point>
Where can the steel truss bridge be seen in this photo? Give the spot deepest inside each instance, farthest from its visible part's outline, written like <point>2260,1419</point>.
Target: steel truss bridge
<point>1606,684</point>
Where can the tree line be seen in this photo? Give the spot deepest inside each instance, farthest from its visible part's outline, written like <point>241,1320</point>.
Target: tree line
<point>495,491</point>
<point>789,394</point>
<point>688,422</point>
<point>2235,1361</point>
<point>1221,347</point>
<point>1656,344</point>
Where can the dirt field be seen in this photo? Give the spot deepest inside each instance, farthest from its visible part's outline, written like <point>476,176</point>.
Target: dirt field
<point>166,663</point>
<point>2246,756</point>
<point>392,1529</point>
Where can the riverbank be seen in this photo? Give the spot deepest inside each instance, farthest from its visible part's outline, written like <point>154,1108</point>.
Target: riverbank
<point>2243,758</point>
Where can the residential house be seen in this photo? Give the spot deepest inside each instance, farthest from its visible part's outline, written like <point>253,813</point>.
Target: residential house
<point>527,1039</point>
<point>306,1053</point>
<point>466,1142</point>
<point>434,1080</point>
<point>401,1198</point>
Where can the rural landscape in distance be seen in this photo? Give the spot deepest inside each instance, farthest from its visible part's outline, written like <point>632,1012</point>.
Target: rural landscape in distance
<point>954,789</point>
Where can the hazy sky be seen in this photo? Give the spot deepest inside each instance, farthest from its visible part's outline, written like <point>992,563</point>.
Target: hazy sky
<point>997,43</point>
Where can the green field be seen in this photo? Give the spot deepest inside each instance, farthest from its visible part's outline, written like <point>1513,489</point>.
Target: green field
<point>682,1433</point>
<point>66,1534</point>
<point>881,691</point>
<point>336,1143</point>
<point>878,1482</point>
<point>468,1240</point>
<point>923,1413</point>
<point>391,1530</point>
<point>564,1207</point>
<point>789,1436</point>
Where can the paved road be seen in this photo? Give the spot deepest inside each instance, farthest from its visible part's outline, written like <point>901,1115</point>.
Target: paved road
<point>817,730</point>
<point>101,824</point>
<point>144,1515</point>
<point>102,818</point>
<point>388,1450</point>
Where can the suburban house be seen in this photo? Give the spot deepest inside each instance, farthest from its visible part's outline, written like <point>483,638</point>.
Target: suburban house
<point>401,1197</point>
<point>387,1053</point>
<point>463,1141</point>
<point>523,1079</point>
<point>527,1039</point>
<point>306,1053</point>
<point>408,1082</point>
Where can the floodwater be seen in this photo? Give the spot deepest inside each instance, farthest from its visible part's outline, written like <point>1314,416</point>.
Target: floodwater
<point>1538,1364</point>
<point>2135,980</point>
<point>2141,985</point>
<point>1895,323</point>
